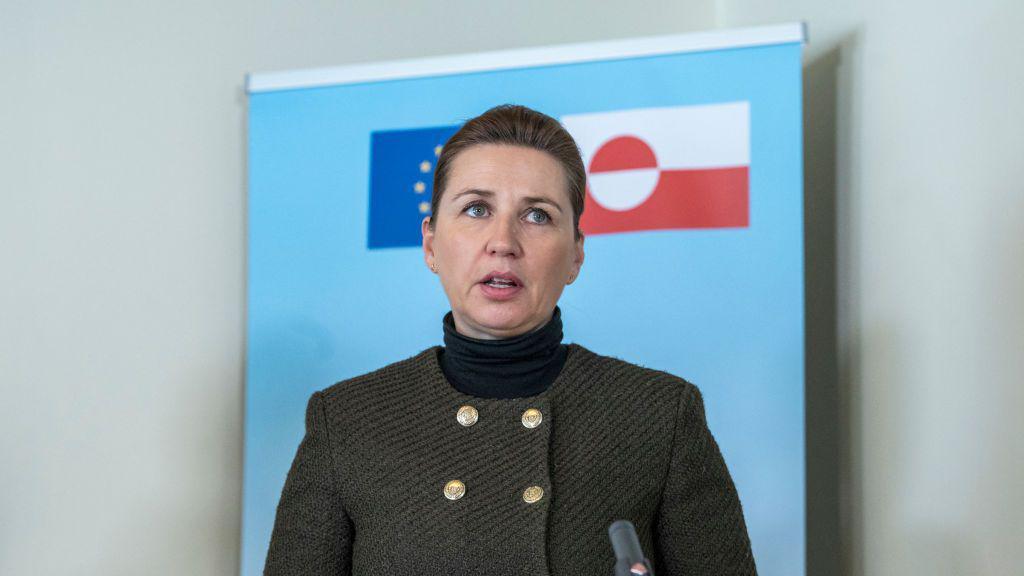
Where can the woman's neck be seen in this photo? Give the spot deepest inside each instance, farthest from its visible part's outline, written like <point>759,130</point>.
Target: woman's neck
<point>522,365</point>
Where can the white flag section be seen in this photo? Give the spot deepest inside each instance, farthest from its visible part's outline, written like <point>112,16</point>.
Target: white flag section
<point>681,137</point>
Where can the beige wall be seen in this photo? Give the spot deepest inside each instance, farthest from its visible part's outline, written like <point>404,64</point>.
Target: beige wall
<point>122,208</point>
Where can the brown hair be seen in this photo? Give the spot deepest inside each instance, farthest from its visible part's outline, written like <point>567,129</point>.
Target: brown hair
<point>516,125</point>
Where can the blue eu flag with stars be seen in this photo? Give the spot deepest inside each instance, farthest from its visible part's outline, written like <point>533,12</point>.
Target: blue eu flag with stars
<point>401,183</point>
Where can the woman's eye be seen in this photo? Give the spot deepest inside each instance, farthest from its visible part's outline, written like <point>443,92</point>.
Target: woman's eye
<point>470,209</point>
<point>543,216</point>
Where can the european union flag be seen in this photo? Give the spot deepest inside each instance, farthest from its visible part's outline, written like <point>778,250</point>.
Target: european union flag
<point>401,183</point>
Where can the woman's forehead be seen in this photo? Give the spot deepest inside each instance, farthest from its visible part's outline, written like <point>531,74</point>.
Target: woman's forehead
<point>501,172</point>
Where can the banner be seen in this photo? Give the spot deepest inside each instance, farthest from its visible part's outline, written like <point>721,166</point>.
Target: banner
<point>694,249</point>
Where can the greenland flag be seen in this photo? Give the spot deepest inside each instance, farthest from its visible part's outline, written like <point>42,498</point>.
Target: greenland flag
<point>665,168</point>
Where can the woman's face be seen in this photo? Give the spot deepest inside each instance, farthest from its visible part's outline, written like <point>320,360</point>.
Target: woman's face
<point>506,211</point>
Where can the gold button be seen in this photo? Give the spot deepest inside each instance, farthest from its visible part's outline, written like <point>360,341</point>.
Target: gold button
<point>454,490</point>
<point>467,416</point>
<point>533,494</point>
<point>532,418</point>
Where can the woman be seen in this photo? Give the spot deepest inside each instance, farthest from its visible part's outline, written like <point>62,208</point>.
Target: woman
<point>506,452</point>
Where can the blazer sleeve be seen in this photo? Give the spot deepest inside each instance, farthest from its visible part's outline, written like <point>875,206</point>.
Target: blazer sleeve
<point>700,528</point>
<point>312,534</point>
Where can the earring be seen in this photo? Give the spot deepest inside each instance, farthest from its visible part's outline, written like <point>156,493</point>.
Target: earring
<point>571,278</point>
<point>433,268</point>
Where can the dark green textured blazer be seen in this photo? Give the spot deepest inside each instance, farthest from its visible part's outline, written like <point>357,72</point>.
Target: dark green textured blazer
<point>365,494</point>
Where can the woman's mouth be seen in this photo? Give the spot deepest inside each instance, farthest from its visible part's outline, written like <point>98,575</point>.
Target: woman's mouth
<point>500,285</point>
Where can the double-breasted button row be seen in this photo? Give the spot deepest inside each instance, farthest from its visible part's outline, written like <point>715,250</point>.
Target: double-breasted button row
<point>468,415</point>
<point>456,489</point>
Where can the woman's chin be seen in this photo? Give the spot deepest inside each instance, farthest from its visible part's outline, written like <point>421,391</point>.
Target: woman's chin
<point>503,320</point>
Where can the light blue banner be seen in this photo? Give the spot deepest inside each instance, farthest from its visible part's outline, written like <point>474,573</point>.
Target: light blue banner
<point>721,306</point>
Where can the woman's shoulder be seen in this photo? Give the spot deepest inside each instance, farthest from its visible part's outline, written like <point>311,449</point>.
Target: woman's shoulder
<point>618,372</point>
<point>395,375</point>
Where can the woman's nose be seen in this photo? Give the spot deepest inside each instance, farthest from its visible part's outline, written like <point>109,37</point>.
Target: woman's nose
<point>503,240</point>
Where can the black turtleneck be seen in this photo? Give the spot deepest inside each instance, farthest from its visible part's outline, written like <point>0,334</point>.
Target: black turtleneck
<point>522,365</point>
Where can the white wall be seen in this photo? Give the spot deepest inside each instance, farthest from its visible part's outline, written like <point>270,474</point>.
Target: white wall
<point>915,113</point>
<point>122,206</point>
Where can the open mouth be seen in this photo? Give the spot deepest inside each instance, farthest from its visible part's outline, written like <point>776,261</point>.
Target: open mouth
<point>500,283</point>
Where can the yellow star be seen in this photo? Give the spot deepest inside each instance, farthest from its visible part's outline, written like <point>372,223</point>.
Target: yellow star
<point>419,187</point>
<point>424,207</point>
<point>424,166</point>
<point>437,150</point>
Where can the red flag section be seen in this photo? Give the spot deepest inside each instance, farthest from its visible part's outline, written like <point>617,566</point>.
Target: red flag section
<point>705,198</point>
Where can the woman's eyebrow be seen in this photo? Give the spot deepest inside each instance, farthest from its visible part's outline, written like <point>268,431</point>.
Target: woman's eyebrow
<point>542,200</point>
<point>478,192</point>
<point>490,194</point>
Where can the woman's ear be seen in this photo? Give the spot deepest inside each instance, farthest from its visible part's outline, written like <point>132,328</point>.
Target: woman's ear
<point>428,243</point>
<point>577,261</point>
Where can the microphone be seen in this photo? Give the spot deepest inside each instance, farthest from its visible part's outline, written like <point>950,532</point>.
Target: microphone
<point>629,558</point>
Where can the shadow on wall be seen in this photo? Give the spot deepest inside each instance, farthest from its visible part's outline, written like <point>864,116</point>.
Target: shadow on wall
<point>832,523</point>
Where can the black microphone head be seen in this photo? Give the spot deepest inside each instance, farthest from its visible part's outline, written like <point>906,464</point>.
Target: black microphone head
<point>624,542</point>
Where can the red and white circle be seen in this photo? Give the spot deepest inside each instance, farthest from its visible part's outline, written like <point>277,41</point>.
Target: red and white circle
<point>623,173</point>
